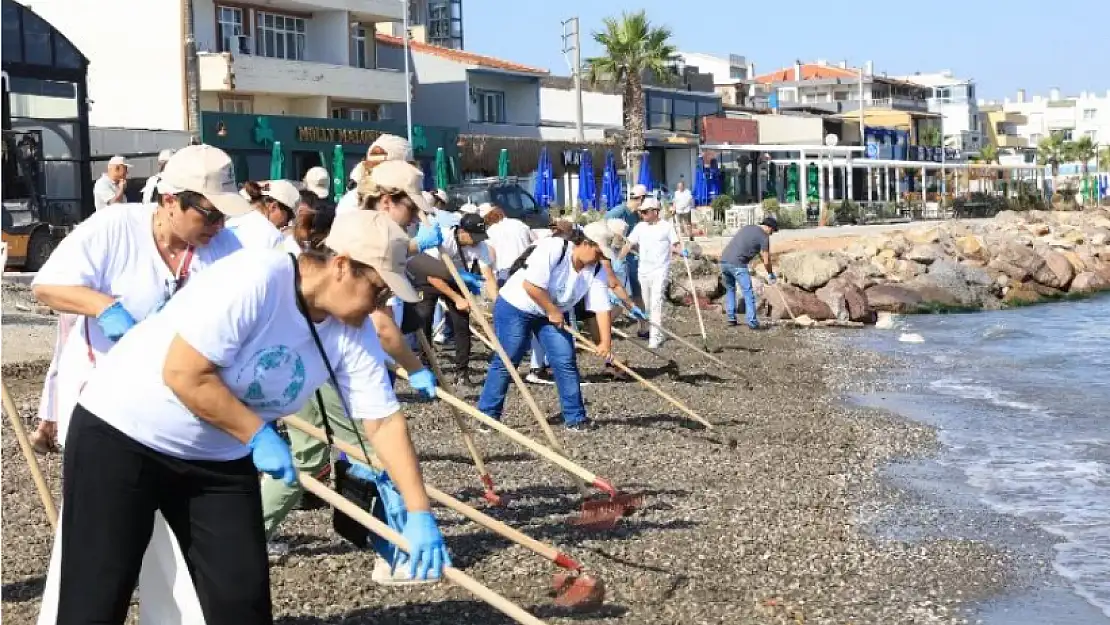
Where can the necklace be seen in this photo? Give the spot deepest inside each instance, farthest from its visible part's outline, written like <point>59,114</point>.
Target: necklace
<point>165,246</point>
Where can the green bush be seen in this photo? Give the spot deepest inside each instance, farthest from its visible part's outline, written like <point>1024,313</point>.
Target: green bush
<point>720,204</point>
<point>789,218</point>
<point>848,212</point>
<point>771,206</point>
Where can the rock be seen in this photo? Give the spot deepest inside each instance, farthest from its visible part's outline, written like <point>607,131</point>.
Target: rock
<point>800,302</point>
<point>923,236</point>
<point>695,250</point>
<point>1042,290</point>
<point>971,247</point>
<point>1100,236</point>
<point>1017,261</point>
<point>924,254</point>
<point>1056,272</point>
<point>963,285</point>
<point>810,270</point>
<point>804,320</point>
<point>862,274</point>
<point>1020,295</point>
<point>1089,282</point>
<point>1077,262</point>
<point>893,298</point>
<point>846,300</point>
<point>1002,280</point>
<point>899,270</point>
<point>1074,236</point>
<point>1038,230</point>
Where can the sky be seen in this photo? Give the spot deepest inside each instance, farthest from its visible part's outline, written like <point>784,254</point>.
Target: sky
<point>1003,45</point>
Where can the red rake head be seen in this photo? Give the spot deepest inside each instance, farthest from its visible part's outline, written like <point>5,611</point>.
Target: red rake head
<point>603,514</point>
<point>490,494</point>
<point>577,591</point>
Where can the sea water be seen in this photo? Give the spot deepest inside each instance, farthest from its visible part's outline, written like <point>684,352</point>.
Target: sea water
<point>1021,399</point>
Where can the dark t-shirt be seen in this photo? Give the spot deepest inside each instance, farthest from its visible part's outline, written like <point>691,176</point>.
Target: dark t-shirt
<point>746,245</point>
<point>420,267</point>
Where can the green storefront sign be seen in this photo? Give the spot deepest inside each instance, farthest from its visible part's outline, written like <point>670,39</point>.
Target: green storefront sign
<point>309,141</point>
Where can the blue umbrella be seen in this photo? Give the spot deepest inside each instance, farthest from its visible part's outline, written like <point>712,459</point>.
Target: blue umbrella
<point>544,184</point>
<point>714,179</point>
<point>549,179</point>
<point>645,172</point>
<point>587,188</point>
<point>610,182</point>
<point>701,187</point>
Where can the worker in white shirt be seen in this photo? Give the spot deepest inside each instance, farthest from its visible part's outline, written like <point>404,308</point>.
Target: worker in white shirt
<point>110,187</point>
<point>151,186</point>
<point>684,208</point>
<point>656,240</point>
<point>275,205</point>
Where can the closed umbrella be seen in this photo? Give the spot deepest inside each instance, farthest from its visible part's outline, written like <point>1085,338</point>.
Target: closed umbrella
<point>549,180</point>
<point>441,168</point>
<point>503,163</point>
<point>338,176</point>
<point>713,180</point>
<point>610,184</point>
<point>545,185</point>
<point>645,172</point>
<point>277,162</point>
<point>452,171</point>
<point>701,186</point>
<point>587,189</point>
<point>538,188</point>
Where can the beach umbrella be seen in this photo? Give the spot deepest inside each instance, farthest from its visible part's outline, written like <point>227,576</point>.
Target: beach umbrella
<point>545,186</point>
<point>645,172</point>
<point>277,162</point>
<point>587,189</point>
<point>503,163</point>
<point>549,179</point>
<point>713,180</point>
<point>452,171</point>
<point>538,188</point>
<point>610,184</point>
<point>441,168</point>
<point>701,185</point>
<point>338,175</point>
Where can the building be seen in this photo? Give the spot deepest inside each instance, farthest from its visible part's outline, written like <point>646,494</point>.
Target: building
<point>1072,117</point>
<point>730,75</point>
<point>437,22</point>
<point>954,99</point>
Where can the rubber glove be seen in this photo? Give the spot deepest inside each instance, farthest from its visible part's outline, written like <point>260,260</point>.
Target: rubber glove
<point>771,279</point>
<point>424,381</point>
<point>271,455</point>
<point>637,314</point>
<point>427,552</point>
<point>115,321</point>
<point>472,281</point>
<point>428,236</point>
<point>685,253</point>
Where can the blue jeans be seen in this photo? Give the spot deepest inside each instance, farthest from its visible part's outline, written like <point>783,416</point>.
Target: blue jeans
<point>742,275</point>
<point>437,318</point>
<point>514,329</point>
<point>632,271</point>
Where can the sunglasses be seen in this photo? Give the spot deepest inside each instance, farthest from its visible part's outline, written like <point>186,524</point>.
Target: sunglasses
<point>211,216</point>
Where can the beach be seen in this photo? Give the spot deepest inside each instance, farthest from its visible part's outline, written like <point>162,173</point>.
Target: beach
<point>778,529</point>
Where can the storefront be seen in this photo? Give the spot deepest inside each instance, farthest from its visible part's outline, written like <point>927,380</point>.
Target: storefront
<point>306,142</point>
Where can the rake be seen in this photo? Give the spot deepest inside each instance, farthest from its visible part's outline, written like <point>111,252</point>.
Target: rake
<point>693,347</point>
<point>29,455</point>
<point>574,587</point>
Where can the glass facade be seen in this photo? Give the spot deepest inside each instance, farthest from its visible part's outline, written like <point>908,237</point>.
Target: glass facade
<point>679,112</point>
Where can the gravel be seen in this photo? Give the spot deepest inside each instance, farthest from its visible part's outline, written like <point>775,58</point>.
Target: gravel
<point>770,531</point>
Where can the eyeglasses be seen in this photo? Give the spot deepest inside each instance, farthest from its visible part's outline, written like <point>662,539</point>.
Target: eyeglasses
<point>211,216</point>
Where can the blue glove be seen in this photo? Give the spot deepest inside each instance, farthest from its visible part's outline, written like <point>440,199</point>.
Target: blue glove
<point>771,279</point>
<point>271,455</point>
<point>115,321</point>
<point>428,236</point>
<point>472,281</point>
<point>685,253</point>
<point>637,313</point>
<point>424,381</point>
<point>427,552</point>
<point>619,266</point>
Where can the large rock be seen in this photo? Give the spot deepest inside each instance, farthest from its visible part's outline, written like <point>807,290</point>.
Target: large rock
<point>800,303</point>
<point>893,298</point>
<point>897,269</point>
<point>1017,261</point>
<point>1089,282</point>
<point>971,247</point>
<point>923,236</point>
<point>964,285</point>
<point>1020,295</point>
<point>810,270</point>
<point>862,274</point>
<point>1099,236</point>
<point>933,295</point>
<point>924,254</point>
<point>1056,272</point>
<point>846,300</point>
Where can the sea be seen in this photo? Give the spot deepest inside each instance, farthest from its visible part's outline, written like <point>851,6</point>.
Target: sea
<point>1021,401</point>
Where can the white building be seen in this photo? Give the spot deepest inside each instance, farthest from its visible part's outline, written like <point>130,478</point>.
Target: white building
<point>308,58</point>
<point>1087,114</point>
<point>438,22</point>
<point>729,74</point>
<point>954,99</point>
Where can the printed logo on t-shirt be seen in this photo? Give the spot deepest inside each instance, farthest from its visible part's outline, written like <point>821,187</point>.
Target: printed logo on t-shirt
<point>274,377</point>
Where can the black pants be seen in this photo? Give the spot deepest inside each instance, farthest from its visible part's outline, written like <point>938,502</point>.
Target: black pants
<point>421,316</point>
<point>112,487</point>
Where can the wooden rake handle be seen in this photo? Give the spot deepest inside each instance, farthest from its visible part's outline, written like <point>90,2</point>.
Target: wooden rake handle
<point>461,579</point>
<point>439,496</point>
<point>690,345</point>
<point>29,455</point>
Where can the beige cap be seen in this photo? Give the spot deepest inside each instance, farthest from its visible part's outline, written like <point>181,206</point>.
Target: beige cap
<point>356,172</point>
<point>372,238</point>
<point>396,149</point>
<point>317,180</point>
<point>164,156</point>
<point>638,190</point>
<point>441,195</point>
<point>395,176</point>
<point>428,197</point>
<point>618,227</point>
<point>469,207</point>
<point>484,208</point>
<point>650,203</point>
<point>599,233</point>
<point>206,170</point>
<point>284,192</point>
<point>118,160</point>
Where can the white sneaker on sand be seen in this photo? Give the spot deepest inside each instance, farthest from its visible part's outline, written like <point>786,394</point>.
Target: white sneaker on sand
<point>399,576</point>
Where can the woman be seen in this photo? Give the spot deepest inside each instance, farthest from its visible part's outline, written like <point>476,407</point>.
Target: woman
<point>275,204</point>
<point>509,238</point>
<point>555,276</point>
<point>178,419</point>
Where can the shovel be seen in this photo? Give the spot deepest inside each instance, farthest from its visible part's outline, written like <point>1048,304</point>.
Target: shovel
<point>29,455</point>
<point>574,587</point>
<point>467,582</point>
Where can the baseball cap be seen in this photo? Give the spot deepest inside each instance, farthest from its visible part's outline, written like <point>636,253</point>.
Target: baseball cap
<point>395,148</point>
<point>440,195</point>
<point>373,239</point>
<point>395,176</point>
<point>469,208</point>
<point>206,170</point>
<point>771,223</point>
<point>119,160</point>
<point>618,227</point>
<point>317,180</point>
<point>164,155</point>
<point>650,204</point>
<point>284,192</point>
<point>638,190</point>
<point>475,226</point>
<point>599,233</point>
<point>484,208</point>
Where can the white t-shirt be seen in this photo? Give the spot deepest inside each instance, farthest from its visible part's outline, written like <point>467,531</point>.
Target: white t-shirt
<point>655,241</point>
<point>150,188</point>
<point>254,231</point>
<point>482,253</point>
<point>290,246</point>
<point>683,201</point>
<point>242,316</point>
<point>113,252</point>
<point>564,285</point>
<point>509,238</point>
<point>104,192</point>
<point>348,203</point>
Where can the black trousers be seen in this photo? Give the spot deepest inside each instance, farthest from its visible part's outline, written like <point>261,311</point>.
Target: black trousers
<point>421,316</point>
<point>112,487</point>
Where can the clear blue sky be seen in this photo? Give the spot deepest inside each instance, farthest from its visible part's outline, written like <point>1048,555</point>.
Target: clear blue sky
<point>1003,45</point>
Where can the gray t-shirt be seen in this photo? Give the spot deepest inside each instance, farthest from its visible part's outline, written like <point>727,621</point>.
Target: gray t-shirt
<point>746,245</point>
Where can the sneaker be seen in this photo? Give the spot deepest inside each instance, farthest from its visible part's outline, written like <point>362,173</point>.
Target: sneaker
<point>439,338</point>
<point>394,576</point>
<point>733,323</point>
<point>643,334</point>
<point>585,425</point>
<point>276,551</point>
<point>539,376</point>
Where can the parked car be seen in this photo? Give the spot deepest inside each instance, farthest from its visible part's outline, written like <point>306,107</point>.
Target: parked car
<point>505,194</point>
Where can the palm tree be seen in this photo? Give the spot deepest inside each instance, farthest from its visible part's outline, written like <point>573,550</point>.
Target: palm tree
<point>633,48</point>
<point>989,154</point>
<point>1083,150</point>
<point>929,137</point>
<point>1052,151</point>
<point>1104,159</point>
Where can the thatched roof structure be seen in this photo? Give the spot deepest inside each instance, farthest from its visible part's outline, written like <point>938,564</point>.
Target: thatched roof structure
<point>478,154</point>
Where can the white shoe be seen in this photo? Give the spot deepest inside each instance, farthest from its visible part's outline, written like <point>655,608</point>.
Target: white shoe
<point>398,576</point>
<point>439,338</point>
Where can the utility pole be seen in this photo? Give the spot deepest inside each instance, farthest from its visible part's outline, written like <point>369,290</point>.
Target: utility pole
<point>572,47</point>
<point>408,74</point>
<point>192,74</point>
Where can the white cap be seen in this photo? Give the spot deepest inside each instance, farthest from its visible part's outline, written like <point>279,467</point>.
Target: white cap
<point>164,156</point>
<point>618,227</point>
<point>206,170</point>
<point>428,197</point>
<point>395,148</point>
<point>317,180</point>
<point>469,208</point>
<point>118,160</point>
<point>650,203</point>
<point>441,195</point>
<point>599,233</point>
<point>284,192</point>
<point>484,208</point>
<point>638,190</point>
<point>356,172</point>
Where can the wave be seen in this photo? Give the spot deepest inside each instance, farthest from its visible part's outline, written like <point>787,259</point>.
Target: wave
<point>1000,331</point>
<point>969,389</point>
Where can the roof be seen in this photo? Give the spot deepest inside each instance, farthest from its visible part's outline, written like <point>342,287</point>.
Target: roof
<point>461,56</point>
<point>810,71</point>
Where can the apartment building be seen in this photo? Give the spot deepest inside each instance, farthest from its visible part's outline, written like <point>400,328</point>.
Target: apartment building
<point>730,75</point>
<point>954,99</point>
<point>1072,117</point>
<point>435,22</point>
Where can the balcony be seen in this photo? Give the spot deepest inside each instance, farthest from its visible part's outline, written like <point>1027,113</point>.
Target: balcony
<point>1011,141</point>
<point>226,73</point>
<point>369,11</point>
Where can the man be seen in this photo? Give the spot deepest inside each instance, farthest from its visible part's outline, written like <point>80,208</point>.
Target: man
<point>740,251</point>
<point>684,208</point>
<point>318,181</point>
<point>627,212</point>
<point>151,185</point>
<point>656,240</point>
<point>109,189</point>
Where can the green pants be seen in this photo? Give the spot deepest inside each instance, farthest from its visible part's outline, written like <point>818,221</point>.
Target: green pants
<point>309,455</point>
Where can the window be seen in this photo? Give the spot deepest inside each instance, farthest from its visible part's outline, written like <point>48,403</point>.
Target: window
<point>1090,113</point>
<point>358,47</point>
<point>944,94</point>
<point>490,106</point>
<point>1092,135</point>
<point>659,113</point>
<point>279,36</point>
<point>236,104</point>
<point>229,25</point>
<point>737,73</point>
<point>1066,134</point>
<point>1035,139</point>
<point>36,40</point>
